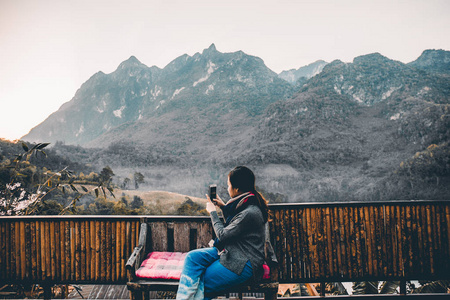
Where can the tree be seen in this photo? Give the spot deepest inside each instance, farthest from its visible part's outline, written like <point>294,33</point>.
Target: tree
<point>23,186</point>
<point>126,183</point>
<point>138,179</point>
<point>106,174</point>
<point>137,202</point>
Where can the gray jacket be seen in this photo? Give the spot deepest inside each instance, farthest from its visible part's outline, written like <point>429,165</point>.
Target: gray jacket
<point>243,240</point>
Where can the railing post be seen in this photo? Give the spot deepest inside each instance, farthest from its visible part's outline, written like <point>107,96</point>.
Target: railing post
<point>403,287</point>
<point>47,291</point>
<point>322,289</point>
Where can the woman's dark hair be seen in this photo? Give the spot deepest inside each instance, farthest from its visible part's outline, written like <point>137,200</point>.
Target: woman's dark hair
<point>243,179</point>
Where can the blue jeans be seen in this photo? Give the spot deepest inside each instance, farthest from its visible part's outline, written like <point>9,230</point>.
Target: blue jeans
<point>203,273</point>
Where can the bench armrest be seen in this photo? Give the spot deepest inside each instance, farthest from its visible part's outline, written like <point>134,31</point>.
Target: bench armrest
<point>137,257</point>
<point>134,262</point>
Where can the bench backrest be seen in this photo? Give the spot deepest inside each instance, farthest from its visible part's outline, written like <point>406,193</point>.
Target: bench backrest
<point>179,234</point>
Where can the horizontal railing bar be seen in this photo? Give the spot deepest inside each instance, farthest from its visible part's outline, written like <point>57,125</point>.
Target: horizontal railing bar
<point>109,217</point>
<point>356,203</point>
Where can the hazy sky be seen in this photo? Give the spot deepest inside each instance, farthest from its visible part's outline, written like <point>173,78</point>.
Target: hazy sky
<point>49,48</point>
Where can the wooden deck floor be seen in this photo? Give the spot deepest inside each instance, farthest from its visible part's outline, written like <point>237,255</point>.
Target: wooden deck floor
<point>100,292</point>
<point>121,292</point>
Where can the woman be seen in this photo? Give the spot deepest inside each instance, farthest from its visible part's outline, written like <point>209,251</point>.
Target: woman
<point>238,252</point>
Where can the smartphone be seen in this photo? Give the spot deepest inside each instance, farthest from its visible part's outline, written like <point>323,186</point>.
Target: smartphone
<point>212,192</point>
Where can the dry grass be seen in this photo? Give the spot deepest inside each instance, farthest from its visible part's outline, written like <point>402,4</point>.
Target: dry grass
<point>163,197</point>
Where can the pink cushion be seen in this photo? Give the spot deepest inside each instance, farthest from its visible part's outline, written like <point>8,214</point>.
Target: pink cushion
<point>168,265</point>
<point>266,271</point>
<point>162,265</point>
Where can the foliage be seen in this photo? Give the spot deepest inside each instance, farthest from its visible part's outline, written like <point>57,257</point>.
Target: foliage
<point>190,208</point>
<point>24,186</point>
<point>138,179</point>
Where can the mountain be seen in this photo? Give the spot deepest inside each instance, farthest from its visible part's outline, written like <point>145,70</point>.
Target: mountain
<point>363,130</point>
<point>350,128</point>
<point>171,106</point>
<point>374,78</point>
<point>311,70</point>
<point>437,61</point>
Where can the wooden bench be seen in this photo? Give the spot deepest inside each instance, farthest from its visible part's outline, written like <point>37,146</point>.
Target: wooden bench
<point>184,235</point>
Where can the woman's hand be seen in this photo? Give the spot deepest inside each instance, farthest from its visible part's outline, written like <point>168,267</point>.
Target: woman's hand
<point>219,202</point>
<point>209,205</point>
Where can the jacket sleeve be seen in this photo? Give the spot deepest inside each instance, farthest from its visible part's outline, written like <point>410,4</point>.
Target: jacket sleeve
<point>240,223</point>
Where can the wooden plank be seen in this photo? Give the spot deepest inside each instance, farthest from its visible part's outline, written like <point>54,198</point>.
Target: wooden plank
<point>378,242</point>
<point>353,241</point>
<point>9,235</point>
<point>16,250</point>
<point>430,240</point>
<point>435,235</point>
<point>282,234</point>
<point>440,243</point>
<point>420,248</point>
<point>52,248</point>
<point>400,224</point>
<point>68,250</point>
<point>320,243</point>
<point>87,250</point>
<point>3,244</point>
<point>348,252</point>
<point>108,251</point>
<point>181,236</point>
<point>98,236</point>
<point>204,234</point>
<point>103,262</point>
<point>133,236</point>
<point>73,245</point>
<point>118,247</point>
<point>62,249</point>
<point>342,244</point>
<point>387,245</point>
<point>28,253</point>
<point>357,229</point>
<point>33,250</point>
<point>22,250</point>
<point>296,245</point>
<point>57,252</point>
<point>113,250</point>
<point>416,247</point>
<point>445,241</point>
<point>126,228</point>
<point>368,239</point>
<point>77,241</point>
<point>300,234</point>
<point>92,247</point>
<point>446,225</point>
<point>81,246</point>
<point>159,236</point>
<point>310,243</point>
<point>288,244</point>
<point>98,292</point>
<point>373,240</point>
<point>302,244</point>
<point>337,241</point>
<point>42,249</point>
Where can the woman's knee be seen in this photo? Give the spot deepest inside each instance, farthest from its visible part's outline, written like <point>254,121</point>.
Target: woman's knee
<point>199,255</point>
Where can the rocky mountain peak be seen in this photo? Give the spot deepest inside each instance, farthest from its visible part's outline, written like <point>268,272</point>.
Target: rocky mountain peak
<point>130,63</point>
<point>211,49</point>
<point>373,58</point>
<point>431,60</point>
<point>292,76</point>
